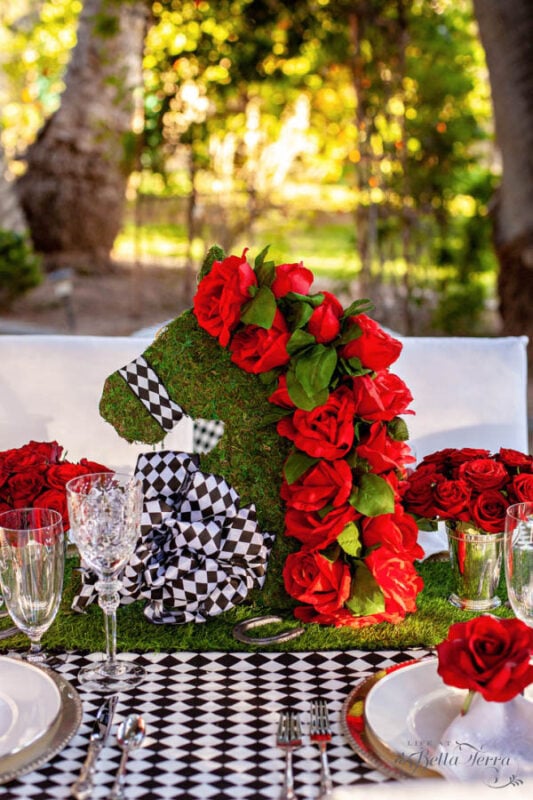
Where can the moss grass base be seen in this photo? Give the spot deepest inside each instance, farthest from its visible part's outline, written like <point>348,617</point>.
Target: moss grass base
<point>85,632</point>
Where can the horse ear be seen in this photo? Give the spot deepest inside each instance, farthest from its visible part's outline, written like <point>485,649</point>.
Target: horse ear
<point>215,253</point>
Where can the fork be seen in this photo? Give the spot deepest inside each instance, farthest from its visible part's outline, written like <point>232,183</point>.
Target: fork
<point>288,739</point>
<point>320,734</point>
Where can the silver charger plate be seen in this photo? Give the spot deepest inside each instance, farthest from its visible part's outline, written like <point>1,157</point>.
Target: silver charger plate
<point>52,741</point>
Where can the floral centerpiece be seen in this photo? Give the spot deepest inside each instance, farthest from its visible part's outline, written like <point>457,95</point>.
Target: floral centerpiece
<point>35,475</point>
<point>334,398</point>
<point>468,486</point>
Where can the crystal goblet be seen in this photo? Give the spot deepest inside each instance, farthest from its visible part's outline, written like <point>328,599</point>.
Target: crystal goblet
<point>32,562</point>
<point>105,516</point>
<point>518,551</point>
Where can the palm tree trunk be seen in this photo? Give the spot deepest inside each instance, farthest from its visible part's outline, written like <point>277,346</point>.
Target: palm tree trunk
<point>506,29</point>
<point>73,192</point>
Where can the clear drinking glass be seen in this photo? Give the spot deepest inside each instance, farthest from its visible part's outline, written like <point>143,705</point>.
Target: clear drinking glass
<point>105,516</point>
<point>519,560</point>
<point>32,563</point>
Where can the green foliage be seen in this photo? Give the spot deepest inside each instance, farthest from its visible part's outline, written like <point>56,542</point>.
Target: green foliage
<point>19,267</point>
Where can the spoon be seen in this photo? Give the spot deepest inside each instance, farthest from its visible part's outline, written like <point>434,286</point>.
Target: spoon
<point>130,735</point>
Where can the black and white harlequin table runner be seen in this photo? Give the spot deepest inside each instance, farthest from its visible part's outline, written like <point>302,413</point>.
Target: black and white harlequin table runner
<point>211,720</point>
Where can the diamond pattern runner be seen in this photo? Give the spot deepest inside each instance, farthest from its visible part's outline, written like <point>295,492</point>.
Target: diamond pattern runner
<point>211,721</point>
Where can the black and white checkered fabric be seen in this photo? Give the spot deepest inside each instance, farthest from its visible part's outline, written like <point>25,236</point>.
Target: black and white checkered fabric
<point>200,551</point>
<point>206,434</point>
<point>146,385</point>
<point>211,722</point>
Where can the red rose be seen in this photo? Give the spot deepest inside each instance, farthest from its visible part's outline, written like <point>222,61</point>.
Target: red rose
<point>291,278</point>
<point>383,453</point>
<point>398,532</point>
<point>4,507</point>
<point>316,531</point>
<point>452,500</point>
<point>280,396</point>
<point>24,459</point>
<point>221,295</point>
<point>437,460</point>
<point>56,499</point>
<point>483,473</point>
<point>91,467</point>
<point>311,578</point>
<point>417,494</point>
<point>381,398</point>
<point>488,655</point>
<point>521,487</point>
<point>58,475</point>
<point>324,323</point>
<point>397,579</point>
<point>50,451</point>
<point>22,487</point>
<point>488,511</point>
<point>513,459</point>
<point>256,349</point>
<point>328,482</point>
<point>375,348</point>
<point>464,454</point>
<point>325,432</point>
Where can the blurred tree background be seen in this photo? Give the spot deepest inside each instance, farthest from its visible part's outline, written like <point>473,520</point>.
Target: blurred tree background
<point>354,135</point>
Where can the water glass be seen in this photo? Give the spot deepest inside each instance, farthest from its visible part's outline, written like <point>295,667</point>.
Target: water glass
<point>105,516</point>
<point>519,560</point>
<point>32,563</point>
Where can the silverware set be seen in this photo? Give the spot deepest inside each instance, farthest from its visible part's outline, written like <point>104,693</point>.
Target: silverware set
<point>289,739</point>
<point>130,735</point>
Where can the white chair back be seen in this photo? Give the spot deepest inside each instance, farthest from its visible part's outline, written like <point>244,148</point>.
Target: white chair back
<point>467,392</point>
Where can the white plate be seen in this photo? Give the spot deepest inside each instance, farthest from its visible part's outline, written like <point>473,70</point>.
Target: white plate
<point>32,699</point>
<point>408,710</point>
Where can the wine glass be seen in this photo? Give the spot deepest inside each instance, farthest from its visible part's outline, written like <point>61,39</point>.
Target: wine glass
<point>32,563</point>
<point>105,516</point>
<point>519,560</point>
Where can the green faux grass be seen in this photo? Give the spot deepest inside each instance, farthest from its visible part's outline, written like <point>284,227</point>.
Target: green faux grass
<point>426,628</point>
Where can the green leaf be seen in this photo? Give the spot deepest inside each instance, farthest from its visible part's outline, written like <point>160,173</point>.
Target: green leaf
<point>313,300</point>
<point>265,270</point>
<point>315,367</point>
<point>273,414</point>
<point>398,430</point>
<point>350,540</point>
<point>375,496</point>
<point>261,310</point>
<point>299,340</point>
<point>299,396</point>
<point>299,314</point>
<point>363,306</point>
<point>366,597</point>
<point>296,464</point>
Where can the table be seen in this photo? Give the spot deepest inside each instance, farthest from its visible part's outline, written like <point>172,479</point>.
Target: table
<point>211,721</point>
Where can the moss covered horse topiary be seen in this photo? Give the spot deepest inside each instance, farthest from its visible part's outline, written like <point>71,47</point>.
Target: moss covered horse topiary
<point>200,377</point>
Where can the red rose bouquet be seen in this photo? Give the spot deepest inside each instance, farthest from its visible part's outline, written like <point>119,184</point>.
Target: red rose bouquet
<point>487,655</point>
<point>35,475</point>
<point>335,400</point>
<point>470,487</point>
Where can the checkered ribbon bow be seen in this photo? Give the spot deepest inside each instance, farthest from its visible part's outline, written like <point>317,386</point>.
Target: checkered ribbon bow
<point>200,551</point>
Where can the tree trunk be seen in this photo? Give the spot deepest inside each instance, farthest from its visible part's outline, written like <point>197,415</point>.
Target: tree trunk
<point>73,191</point>
<point>506,29</point>
<point>11,216</point>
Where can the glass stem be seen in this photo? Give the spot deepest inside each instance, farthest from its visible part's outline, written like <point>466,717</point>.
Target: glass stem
<point>108,600</point>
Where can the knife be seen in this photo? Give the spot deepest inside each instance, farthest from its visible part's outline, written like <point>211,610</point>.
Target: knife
<point>82,788</point>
